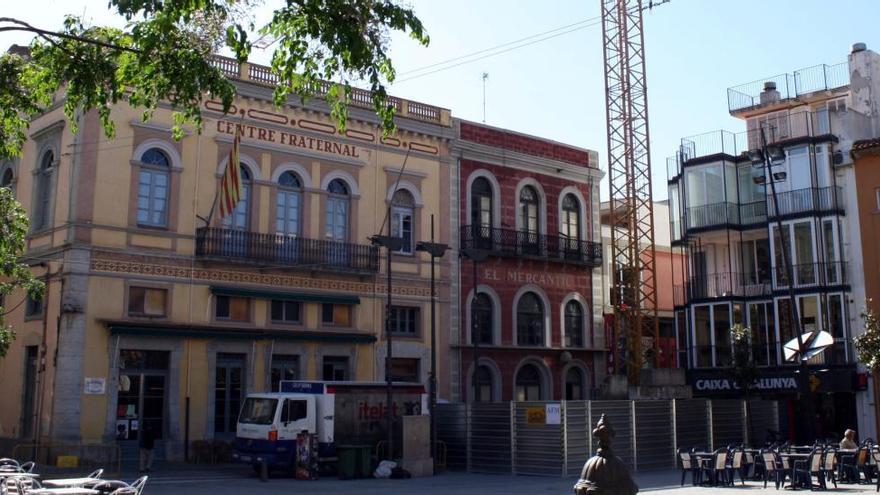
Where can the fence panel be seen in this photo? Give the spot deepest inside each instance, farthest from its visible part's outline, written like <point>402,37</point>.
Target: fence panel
<point>692,424</point>
<point>452,430</point>
<point>654,442</point>
<point>727,422</point>
<point>765,416</point>
<point>619,413</point>
<point>538,448</point>
<point>578,435</point>
<point>490,438</point>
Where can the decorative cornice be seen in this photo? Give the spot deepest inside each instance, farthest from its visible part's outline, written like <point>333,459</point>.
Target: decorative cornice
<point>489,154</point>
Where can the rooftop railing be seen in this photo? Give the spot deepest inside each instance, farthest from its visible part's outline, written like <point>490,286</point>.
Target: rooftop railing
<point>778,128</point>
<point>361,98</point>
<point>789,86</point>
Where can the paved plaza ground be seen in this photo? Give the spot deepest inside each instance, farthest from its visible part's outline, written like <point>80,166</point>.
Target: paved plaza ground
<point>198,480</point>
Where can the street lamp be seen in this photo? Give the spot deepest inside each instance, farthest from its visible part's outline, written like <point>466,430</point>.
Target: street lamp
<point>764,158</point>
<point>476,255</point>
<point>390,244</point>
<point>436,251</point>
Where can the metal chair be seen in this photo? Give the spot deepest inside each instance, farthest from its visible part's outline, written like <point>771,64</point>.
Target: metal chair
<point>139,483</point>
<point>96,474</point>
<point>829,465</point>
<point>735,464</point>
<point>688,465</point>
<point>717,470</point>
<point>771,468</point>
<point>28,467</point>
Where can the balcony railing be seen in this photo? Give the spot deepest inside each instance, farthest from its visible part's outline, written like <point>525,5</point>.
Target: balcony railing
<point>778,128</point>
<point>725,214</point>
<point>517,243</point>
<point>716,285</point>
<point>801,82</point>
<point>813,274</point>
<point>810,199</point>
<point>285,250</point>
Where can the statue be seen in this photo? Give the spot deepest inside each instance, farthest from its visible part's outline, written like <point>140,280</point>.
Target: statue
<point>605,473</point>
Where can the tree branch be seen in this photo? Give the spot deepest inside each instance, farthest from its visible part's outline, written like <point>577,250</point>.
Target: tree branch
<point>23,26</point>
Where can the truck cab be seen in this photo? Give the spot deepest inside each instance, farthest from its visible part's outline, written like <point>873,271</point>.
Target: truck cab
<point>268,425</point>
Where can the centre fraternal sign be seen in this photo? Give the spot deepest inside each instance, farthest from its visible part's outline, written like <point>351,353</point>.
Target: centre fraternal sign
<point>285,138</point>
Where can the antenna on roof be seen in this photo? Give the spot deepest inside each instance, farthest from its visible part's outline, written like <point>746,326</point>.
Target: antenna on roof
<point>485,76</point>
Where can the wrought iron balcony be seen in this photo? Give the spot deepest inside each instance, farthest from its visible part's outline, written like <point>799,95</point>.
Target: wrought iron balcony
<point>517,243</point>
<point>285,250</point>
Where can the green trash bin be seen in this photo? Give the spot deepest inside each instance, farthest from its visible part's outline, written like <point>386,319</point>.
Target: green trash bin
<point>347,463</point>
<point>364,461</point>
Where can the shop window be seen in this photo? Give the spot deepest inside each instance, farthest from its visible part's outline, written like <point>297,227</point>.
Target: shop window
<point>147,301</point>
<point>405,370</point>
<point>285,311</point>
<point>232,308</point>
<point>337,315</point>
<point>335,368</point>
<point>405,321</point>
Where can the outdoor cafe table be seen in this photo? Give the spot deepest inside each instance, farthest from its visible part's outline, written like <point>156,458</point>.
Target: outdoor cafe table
<point>15,474</point>
<point>70,490</point>
<point>67,482</point>
<point>792,458</point>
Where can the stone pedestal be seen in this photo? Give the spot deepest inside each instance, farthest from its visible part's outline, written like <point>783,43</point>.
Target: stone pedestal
<point>417,446</point>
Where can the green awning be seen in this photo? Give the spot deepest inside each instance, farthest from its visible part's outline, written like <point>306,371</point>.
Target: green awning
<point>285,296</point>
<point>208,332</point>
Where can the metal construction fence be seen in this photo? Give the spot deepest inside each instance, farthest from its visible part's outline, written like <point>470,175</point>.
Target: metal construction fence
<point>554,438</point>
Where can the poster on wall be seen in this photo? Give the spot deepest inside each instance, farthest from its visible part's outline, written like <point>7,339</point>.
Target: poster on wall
<point>94,386</point>
<point>122,429</point>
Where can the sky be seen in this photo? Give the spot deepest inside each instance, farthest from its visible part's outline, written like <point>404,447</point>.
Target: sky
<point>695,50</point>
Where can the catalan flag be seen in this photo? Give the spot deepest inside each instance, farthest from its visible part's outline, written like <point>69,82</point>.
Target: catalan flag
<point>230,184</point>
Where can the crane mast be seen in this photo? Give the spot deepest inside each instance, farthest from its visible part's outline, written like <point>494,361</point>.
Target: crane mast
<point>633,282</point>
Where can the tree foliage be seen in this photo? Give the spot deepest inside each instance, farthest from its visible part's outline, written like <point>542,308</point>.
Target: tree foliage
<point>867,343</point>
<point>13,273</point>
<point>163,55</point>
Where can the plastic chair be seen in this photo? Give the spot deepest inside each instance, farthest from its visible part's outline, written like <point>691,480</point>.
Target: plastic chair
<point>735,464</point>
<point>717,470</point>
<point>829,465</point>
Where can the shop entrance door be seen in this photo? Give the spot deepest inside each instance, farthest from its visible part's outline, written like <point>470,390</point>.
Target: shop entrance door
<point>140,401</point>
<point>228,393</point>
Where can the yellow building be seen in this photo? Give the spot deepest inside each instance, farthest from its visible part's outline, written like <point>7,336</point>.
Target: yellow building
<point>160,314</point>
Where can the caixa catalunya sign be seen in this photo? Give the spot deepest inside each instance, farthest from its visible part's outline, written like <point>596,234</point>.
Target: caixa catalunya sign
<point>762,384</point>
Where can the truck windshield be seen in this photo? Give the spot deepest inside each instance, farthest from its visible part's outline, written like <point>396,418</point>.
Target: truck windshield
<point>257,411</point>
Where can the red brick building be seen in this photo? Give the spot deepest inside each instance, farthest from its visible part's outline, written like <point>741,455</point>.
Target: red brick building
<point>528,213</point>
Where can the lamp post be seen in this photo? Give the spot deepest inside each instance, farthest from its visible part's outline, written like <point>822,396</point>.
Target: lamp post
<point>436,251</point>
<point>390,244</point>
<point>476,255</point>
<point>765,157</point>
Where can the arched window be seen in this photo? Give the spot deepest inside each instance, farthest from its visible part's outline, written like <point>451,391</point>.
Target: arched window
<point>481,212</point>
<point>528,383</point>
<point>528,218</point>
<point>574,324</point>
<point>6,180</point>
<point>529,320</point>
<point>571,222</point>
<point>482,315</point>
<point>337,211</point>
<point>43,198</point>
<point>483,384</point>
<point>153,185</point>
<point>240,218</point>
<point>574,384</point>
<point>402,208</point>
<point>288,204</point>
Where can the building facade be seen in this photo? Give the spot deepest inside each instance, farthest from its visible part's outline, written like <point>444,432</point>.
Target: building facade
<point>725,221</point>
<point>666,258</point>
<point>529,243</point>
<point>158,313</point>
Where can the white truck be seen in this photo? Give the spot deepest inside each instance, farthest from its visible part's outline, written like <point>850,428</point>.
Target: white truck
<point>339,413</point>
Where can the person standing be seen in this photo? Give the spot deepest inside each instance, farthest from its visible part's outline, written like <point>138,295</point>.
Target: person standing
<point>147,443</point>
